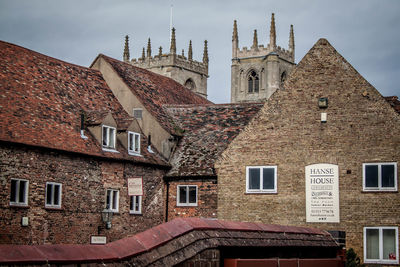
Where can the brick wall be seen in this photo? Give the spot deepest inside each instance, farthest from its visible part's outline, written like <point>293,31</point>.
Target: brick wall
<point>84,182</point>
<point>361,127</point>
<point>207,199</point>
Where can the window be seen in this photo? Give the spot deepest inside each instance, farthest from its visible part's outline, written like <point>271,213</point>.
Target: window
<point>112,200</point>
<point>108,137</point>
<point>187,195</point>
<point>19,192</point>
<point>133,143</point>
<point>189,84</point>
<point>380,176</point>
<point>137,113</point>
<point>261,179</point>
<point>136,205</point>
<point>253,82</point>
<point>53,195</point>
<point>381,245</point>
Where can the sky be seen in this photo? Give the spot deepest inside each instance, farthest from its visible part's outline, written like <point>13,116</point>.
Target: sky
<point>365,32</point>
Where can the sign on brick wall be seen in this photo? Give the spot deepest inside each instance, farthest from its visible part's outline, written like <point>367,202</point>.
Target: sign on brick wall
<point>322,193</point>
<point>135,186</point>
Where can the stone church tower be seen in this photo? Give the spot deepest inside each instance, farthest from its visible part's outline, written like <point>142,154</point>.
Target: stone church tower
<point>259,71</point>
<point>186,71</point>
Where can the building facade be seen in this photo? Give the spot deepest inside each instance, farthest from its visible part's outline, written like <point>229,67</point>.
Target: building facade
<point>256,73</point>
<point>323,153</point>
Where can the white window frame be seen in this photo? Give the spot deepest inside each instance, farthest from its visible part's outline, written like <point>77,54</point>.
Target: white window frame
<point>380,188</point>
<point>134,199</point>
<point>112,193</point>
<point>262,191</point>
<point>18,188</point>
<point>137,109</point>
<point>130,151</point>
<point>52,205</point>
<point>108,146</point>
<point>186,204</point>
<point>381,260</point>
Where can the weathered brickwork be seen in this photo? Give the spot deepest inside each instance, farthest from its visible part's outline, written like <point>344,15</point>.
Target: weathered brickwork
<point>84,182</point>
<point>206,199</point>
<point>361,127</point>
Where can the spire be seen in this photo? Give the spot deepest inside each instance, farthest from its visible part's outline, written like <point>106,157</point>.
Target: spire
<point>183,52</point>
<point>205,53</point>
<point>235,40</point>
<point>160,51</point>
<point>190,52</point>
<point>126,49</point>
<point>149,48</point>
<point>173,42</point>
<point>255,40</point>
<point>143,54</point>
<point>272,33</point>
<point>291,41</point>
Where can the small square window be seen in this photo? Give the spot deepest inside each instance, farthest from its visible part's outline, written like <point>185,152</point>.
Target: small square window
<point>187,195</point>
<point>136,205</point>
<point>53,195</point>
<point>108,137</point>
<point>380,176</point>
<point>134,143</point>
<point>381,245</point>
<point>112,200</point>
<point>137,113</point>
<point>261,179</point>
<point>19,192</point>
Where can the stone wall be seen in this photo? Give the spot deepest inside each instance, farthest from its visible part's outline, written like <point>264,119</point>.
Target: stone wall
<point>361,127</point>
<point>84,182</point>
<point>206,199</point>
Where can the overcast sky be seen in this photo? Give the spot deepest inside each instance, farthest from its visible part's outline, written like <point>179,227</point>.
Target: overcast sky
<point>365,32</point>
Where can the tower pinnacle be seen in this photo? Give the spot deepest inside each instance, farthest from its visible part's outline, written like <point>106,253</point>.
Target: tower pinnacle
<point>205,53</point>
<point>149,48</point>
<point>235,40</point>
<point>272,33</point>
<point>143,54</point>
<point>190,51</point>
<point>291,41</point>
<point>255,40</point>
<point>126,49</point>
<point>173,42</point>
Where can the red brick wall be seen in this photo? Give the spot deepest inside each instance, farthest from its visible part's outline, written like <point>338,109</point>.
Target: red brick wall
<point>84,183</point>
<point>207,200</point>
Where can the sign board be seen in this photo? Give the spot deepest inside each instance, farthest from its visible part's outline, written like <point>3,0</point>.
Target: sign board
<point>135,186</point>
<point>98,240</point>
<point>322,193</point>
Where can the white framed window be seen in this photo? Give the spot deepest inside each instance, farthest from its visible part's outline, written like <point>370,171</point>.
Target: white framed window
<point>134,143</point>
<point>112,200</point>
<point>108,137</point>
<point>135,205</point>
<point>53,195</point>
<point>138,113</point>
<point>381,245</point>
<point>19,192</point>
<point>186,195</point>
<point>380,176</point>
<point>261,179</point>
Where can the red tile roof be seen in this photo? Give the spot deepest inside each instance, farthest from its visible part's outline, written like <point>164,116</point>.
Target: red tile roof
<point>208,130</point>
<point>42,98</point>
<point>143,247</point>
<point>155,90</point>
<point>394,102</point>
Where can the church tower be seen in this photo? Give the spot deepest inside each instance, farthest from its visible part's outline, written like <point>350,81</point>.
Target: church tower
<point>256,73</point>
<point>186,71</point>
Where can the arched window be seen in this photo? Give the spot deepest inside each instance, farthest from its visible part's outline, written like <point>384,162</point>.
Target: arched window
<point>283,78</point>
<point>189,84</point>
<point>253,82</point>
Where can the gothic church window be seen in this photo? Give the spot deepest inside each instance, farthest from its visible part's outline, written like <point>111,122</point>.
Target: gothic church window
<point>189,84</point>
<point>283,78</point>
<point>253,82</point>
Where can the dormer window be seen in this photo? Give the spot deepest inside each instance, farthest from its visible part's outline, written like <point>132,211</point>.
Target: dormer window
<point>108,138</point>
<point>133,143</point>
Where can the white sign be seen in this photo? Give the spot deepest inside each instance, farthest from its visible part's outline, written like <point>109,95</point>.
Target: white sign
<point>98,240</point>
<point>135,186</point>
<point>322,193</point>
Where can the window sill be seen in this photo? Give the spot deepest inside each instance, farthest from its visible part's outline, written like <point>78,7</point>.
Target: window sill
<point>186,205</point>
<point>134,154</point>
<point>387,262</point>
<point>109,150</point>
<point>22,206</point>
<point>261,193</point>
<point>379,191</point>
<point>135,213</point>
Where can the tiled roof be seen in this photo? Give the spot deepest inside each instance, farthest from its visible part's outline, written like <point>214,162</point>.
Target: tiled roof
<point>155,90</point>
<point>170,243</point>
<point>394,102</point>
<point>42,98</point>
<point>208,130</point>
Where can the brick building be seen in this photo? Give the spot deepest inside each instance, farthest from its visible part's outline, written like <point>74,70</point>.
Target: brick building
<point>322,152</point>
<point>68,150</point>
